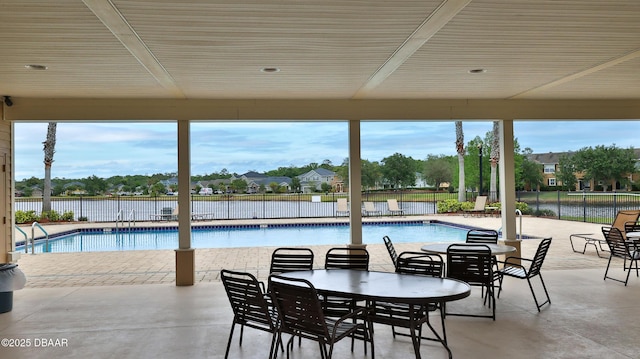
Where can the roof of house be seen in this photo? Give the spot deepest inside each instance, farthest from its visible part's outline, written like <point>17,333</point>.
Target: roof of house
<point>547,158</point>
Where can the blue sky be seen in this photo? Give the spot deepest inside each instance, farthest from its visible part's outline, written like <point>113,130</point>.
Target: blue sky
<point>119,148</point>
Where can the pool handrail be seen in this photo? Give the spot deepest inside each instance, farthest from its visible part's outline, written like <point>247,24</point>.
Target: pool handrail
<point>26,239</point>
<point>33,238</point>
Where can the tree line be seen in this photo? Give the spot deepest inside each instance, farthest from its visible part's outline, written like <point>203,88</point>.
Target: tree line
<point>608,164</point>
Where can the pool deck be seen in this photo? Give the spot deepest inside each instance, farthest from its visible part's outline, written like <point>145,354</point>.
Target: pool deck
<point>158,266</point>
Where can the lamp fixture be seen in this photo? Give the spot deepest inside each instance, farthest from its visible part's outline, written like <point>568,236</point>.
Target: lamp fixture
<point>269,70</point>
<point>7,101</point>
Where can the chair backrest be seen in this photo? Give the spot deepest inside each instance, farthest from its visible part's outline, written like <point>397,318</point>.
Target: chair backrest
<point>481,203</point>
<point>617,244</point>
<point>369,207</point>
<point>482,236</point>
<point>631,227</point>
<point>393,204</point>
<point>392,251</point>
<point>538,259</point>
<point>342,205</point>
<point>624,217</point>
<point>347,258</point>
<point>420,263</point>
<point>287,259</point>
<point>471,263</point>
<point>298,307</point>
<point>247,300</point>
<point>176,211</point>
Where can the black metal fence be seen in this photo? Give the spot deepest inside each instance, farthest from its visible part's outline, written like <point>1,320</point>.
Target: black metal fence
<point>250,206</point>
<point>591,207</point>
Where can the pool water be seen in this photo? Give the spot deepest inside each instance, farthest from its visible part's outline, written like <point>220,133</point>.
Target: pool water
<point>229,237</point>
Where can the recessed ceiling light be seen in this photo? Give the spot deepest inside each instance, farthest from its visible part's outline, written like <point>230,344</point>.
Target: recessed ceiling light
<point>270,69</point>
<point>477,71</point>
<point>36,67</point>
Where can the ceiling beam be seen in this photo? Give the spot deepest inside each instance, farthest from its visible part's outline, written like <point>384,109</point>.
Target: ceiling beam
<point>41,109</point>
<point>613,62</point>
<point>111,17</point>
<point>429,27</point>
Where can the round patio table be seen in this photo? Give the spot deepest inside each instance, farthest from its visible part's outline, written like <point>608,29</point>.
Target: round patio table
<point>441,248</point>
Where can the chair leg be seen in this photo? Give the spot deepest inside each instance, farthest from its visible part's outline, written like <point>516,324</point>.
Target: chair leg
<point>273,351</point>
<point>624,268</point>
<point>545,292</point>
<point>607,270</point>
<point>226,354</point>
<point>535,299</point>
<point>628,272</point>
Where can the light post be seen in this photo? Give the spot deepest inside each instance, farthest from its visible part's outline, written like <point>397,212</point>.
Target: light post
<point>480,162</point>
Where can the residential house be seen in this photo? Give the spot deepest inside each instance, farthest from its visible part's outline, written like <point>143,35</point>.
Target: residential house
<point>550,166</point>
<point>312,181</point>
<point>75,189</point>
<point>281,181</point>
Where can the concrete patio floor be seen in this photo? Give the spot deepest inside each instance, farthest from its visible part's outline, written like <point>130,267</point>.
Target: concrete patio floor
<point>126,305</point>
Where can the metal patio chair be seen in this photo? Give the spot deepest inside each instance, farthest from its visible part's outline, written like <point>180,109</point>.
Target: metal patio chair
<point>391,249</point>
<point>250,307</point>
<point>408,316</point>
<point>300,314</point>
<point>289,259</point>
<point>513,268</point>
<point>473,263</point>
<point>621,248</point>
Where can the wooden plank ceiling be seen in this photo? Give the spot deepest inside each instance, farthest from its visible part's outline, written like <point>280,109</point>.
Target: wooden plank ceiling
<point>334,49</point>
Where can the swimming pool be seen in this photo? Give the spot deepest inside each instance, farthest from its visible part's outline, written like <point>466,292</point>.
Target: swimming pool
<point>92,240</point>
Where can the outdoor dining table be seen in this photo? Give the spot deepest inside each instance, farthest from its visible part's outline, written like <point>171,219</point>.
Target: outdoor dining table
<point>633,235</point>
<point>634,239</point>
<point>371,286</point>
<point>441,248</point>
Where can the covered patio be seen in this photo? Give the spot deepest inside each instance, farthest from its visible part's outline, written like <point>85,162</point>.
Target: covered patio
<point>432,60</point>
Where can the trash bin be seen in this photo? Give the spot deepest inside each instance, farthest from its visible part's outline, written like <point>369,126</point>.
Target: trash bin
<point>11,278</point>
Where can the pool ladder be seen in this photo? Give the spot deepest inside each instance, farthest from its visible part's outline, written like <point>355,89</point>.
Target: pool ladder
<point>33,238</point>
<point>519,213</point>
<point>130,218</point>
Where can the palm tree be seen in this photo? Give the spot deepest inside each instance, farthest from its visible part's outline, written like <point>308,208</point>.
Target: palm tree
<point>495,158</point>
<point>460,149</point>
<point>49,150</point>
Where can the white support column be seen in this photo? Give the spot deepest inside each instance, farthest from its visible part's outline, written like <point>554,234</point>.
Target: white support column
<point>185,255</point>
<point>508,185</point>
<point>355,183</point>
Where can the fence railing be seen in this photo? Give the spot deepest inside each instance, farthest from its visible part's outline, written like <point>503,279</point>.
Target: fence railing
<point>235,206</point>
<point>594,207</point>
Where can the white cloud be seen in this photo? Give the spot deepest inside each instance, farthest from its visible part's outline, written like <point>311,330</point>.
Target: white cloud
<point>117,148</point>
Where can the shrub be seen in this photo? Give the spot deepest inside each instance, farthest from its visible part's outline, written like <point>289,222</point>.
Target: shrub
<point>83,219</point>
<point>52,216</point>
<point>467,206</point>
<point>544,213</point>
<point>449,206</point>
<point>26,216</point>
<point>67,216</point>
<point>523,207</point>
